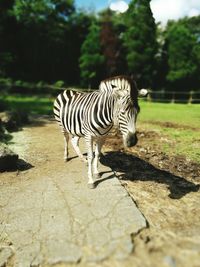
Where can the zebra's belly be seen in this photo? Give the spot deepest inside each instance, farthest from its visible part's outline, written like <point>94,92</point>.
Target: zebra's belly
<point>73,132</point>
<point>86,132</point>
<point>97,131</point>
<point>73,128</point>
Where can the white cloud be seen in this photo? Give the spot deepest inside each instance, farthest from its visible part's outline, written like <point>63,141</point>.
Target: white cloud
<point>163,10</point>
<point>119,6</point>
<point>193,12</point>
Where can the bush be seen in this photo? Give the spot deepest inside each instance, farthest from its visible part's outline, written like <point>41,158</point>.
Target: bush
<point>59,84</point>
<point>3,105</point>
<point>5,84</point>
<point>12,120</point>
<point>40,84</point>
<point>22,87</point>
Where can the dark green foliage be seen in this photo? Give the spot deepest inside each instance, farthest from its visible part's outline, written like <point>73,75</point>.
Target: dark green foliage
<point>140,41</point>
<point>49,42</point>
<point>8,29</point>
<point>183,47</point>
<point>3,105</point>
<point>111,44</point>
<point>46,30</point>
<point>41,40</point>
<point>103,54</point>
<point>39,11</point>
<point>91,60</point>
<point>78,30</point>
<point>161,69</point>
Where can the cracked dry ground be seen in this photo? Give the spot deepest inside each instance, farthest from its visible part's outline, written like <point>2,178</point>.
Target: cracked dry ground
<point>165,189</point>
<point>47,213</point>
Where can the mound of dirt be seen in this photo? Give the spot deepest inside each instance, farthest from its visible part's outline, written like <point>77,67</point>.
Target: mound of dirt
<point>151,152</point>
<point>166,189</point>
<point>8,159</point>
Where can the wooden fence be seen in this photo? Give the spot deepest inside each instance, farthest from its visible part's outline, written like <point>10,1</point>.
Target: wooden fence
<point>190,97</point>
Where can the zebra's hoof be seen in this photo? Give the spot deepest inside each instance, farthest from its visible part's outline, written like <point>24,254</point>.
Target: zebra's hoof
<point>91,185</point>
<point>65,160</point>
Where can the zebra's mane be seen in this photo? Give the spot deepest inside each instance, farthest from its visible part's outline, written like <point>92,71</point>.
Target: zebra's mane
<point>125,84</point>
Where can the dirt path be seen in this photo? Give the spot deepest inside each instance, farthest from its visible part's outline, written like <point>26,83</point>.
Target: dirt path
<point>49,216</point>
<point>165,188</point>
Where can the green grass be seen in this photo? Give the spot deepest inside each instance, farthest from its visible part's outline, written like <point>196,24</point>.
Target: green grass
<point>184,114</point>
<point>32,104</point>
<point>184,131</point>
<point>184,136</point>
<point>185,142</point>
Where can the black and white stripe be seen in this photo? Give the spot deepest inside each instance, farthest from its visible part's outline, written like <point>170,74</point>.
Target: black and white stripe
<point>84,113</point>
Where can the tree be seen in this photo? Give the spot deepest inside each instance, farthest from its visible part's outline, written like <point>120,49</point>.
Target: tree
<point>8,28</point>
<point>91,59</point>
<point>79,24</point>
<point>140,41</point>
<point>111,44</point>
<point>41,45</point>
<point>31,11</point>
<point>41,40</point>
<point>183,48</point>
<point>160,81</point>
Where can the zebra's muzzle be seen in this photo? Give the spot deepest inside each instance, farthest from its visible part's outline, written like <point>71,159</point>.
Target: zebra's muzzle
<point>131,140</point>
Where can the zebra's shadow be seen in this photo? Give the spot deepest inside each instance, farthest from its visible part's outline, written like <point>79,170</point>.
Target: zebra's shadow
<point>103,178</point>
<point>133,168</point>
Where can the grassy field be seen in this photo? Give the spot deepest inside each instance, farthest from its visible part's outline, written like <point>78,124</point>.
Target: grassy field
<point>178,123</point>
<point>32,104</point>
<point>183,114</point>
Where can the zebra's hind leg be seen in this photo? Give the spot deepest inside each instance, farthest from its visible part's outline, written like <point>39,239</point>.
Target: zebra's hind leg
<point>75,144</point>
<point>66,147</point>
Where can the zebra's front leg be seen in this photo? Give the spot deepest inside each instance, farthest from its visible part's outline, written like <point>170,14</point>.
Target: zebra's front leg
<point>98,147</point>
<point>90,157</point>
<point>66,149</point>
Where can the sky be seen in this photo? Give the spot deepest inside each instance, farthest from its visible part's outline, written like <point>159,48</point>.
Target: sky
<point>163,10</point>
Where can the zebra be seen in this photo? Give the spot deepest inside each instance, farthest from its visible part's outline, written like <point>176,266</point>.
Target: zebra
<point>92,115</point>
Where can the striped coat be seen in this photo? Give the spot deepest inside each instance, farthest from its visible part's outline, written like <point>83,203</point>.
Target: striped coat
<point>92,115</point>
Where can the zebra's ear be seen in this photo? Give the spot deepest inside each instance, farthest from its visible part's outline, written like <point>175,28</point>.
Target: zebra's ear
<point>143,92</point>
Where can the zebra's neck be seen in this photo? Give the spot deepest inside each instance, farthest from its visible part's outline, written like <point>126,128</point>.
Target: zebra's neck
<point>111,108</point>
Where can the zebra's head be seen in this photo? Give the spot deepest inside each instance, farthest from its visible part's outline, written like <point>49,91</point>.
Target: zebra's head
<point>126,108</point>
<point>125,119</point>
